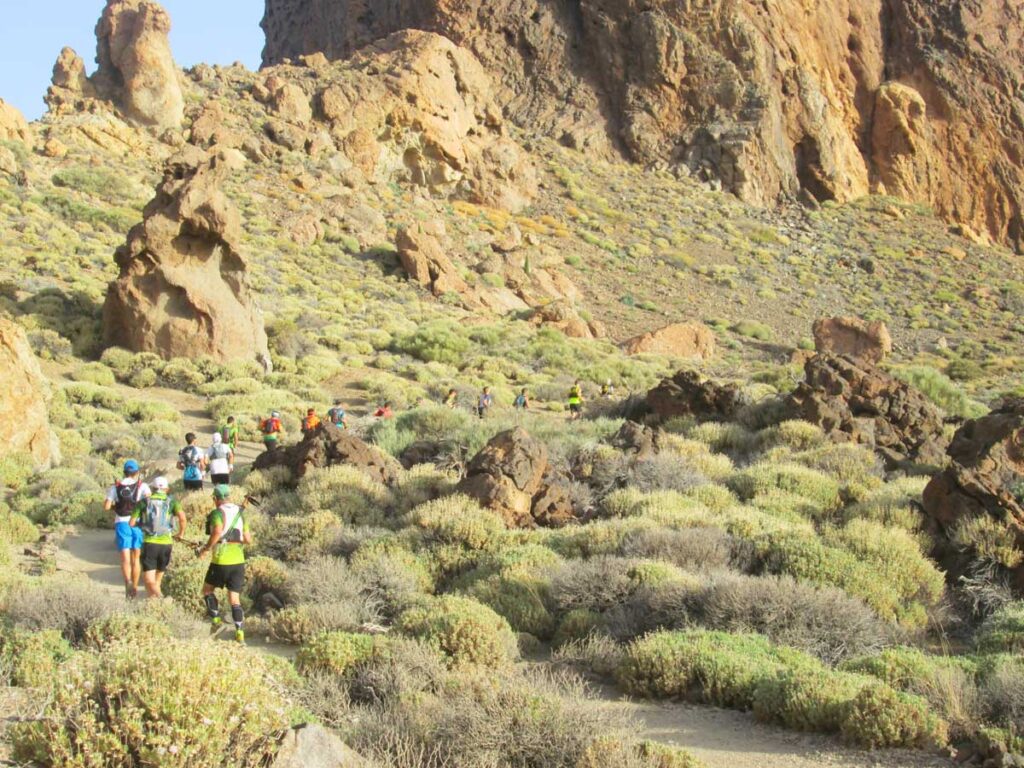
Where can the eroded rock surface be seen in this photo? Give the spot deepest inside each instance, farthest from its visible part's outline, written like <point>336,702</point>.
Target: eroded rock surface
<point>854,401</point>
<point>984,478</point>
<point>313,746</point>
<point>852,337</point>
<point>13,126</point>
<point>183,288</point>
<point>24,392</point>
<point>329,446</point>
<point>693,340</point>
<point>688,394</point>
<point>830,99</point>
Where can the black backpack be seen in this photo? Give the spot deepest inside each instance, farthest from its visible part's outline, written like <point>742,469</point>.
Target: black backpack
<point>126,498</point>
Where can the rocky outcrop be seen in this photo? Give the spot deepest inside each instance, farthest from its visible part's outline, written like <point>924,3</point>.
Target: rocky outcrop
<point>13,126</point>
<point>418,108</point>
<point>135,67</point>
<point>424,260</point>
<point>694,340</point>
<point>328,446</point>
<point>854,401</point>
<point>70,85</point>
<point>24,417</point>
<point>982,479</point>
<point>564,315</point>
<point>831,99</point>
<point>852,337</point>
<point>688,394</point>
<point>183,288</point>
<point>511,476</point>
<point>639,441</point>
<point>313,746</point>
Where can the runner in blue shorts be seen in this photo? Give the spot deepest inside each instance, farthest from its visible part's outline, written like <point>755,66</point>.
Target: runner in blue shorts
<point>122,499</point>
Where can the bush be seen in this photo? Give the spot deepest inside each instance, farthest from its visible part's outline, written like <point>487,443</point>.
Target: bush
<point>347,492</point>
<point>16,528</point>
<point>1002,690</point>
<point>692,548</point>
<point>68,606</point>
<point>15,469</point>
<point>463,629</point>
<point>519,599</point>
<point>988,539</point>
<point>941,391</point>
<point>459,520</point>
<point>441,341</point>
<point>806,698</point>
<point>894,504</point>
<point>1003,631</point>
<point>878,716</point>
<point>215,707</point>
<point>94,373</point>
<point>337,653</point>
<point>29,658</point>
<point>61,497</point>
<point>816,487</point>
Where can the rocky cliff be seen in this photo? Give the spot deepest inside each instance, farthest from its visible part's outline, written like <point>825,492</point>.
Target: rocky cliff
<point>824,98</point>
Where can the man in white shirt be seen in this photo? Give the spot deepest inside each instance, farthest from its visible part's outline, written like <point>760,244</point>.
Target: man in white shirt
<point>219,461</point>
<point>123,498</point>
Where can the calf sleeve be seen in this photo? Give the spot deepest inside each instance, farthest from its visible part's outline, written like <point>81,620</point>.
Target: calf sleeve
<point>238,615</point>
<point>212,609</point>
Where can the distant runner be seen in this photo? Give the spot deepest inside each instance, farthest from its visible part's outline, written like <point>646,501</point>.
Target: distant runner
<point>576,402</point>
<point>157,518</point>
<point>608,390</point>
<point>522,401</point>
<point>384,412</point>
<point>310,423</point>
<point>229,533</point>
<point>220,461</point>
<point>272,431</point>
<point>192,460</point>
<point>451,399</point>
<point>229,434</point>
<point>484,402</point>
<point>337,415</point>
<point>123,498</point>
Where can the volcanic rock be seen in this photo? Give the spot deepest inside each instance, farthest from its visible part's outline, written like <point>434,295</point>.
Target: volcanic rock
<point>854,401</point>
<point>424,259</point>
<point>688,394</point>
<point>183,289</point>
<point>983,478</point>
<point>678,340</point>
<point>24,418</point>
<point>777,99</point>
<point>511,476</point>
<point>13,126</point>
<point>135,67</point>
<point>69,85</point>
<point>328,446</point>
<point>637,440</point>
<point>852,337</point>
<point>313,746</point>
<point>563,315</point>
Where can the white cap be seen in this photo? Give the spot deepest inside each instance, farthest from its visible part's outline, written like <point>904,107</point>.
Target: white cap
<point>216,438</point>
<point>161,484</point>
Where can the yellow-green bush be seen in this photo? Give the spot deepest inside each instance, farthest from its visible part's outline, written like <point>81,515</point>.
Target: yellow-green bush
<point>798,435</point>
<point>518,598</point>
<point>892,504</point>
<point>15,469</point>
<point>419,485</point>
<point>127,628</point>
<point>32,658</point>
<point>577,624</point>
<point>806,697</point>
<point>988,539</point>
<point>878,716</point>
<point>337,653</point>
<point>816,487</point>
<point>1003,631</point>
<point>213,706</point>
<point>465,630</point>
<point>347,492</point>
<point>16,528</point>
<point>459,520</point>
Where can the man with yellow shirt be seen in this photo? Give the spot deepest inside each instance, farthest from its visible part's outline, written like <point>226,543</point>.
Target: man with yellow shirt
<point>229,533</point>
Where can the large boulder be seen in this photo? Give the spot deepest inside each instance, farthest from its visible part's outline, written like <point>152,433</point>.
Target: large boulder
<point>135,67</point>
<point>853,401</point>
<point>512,477</point>
<point>689,394</point>
<point>852,337</point>
<point>70,85</point>
<point>424,260</point>
<point>183,288</point>
<point>313,746</point>
<point>328,446</point>
<point>693,340</point>
<point>984,478</point>
<point>13,126</point>
<point>24,418</point>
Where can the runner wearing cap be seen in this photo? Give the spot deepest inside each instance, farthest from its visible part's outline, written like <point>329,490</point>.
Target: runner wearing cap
<point>123,498</point>
<point>229,533</point>
<point>157,518</point>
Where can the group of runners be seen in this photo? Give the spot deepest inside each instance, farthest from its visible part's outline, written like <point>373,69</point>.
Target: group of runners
<point>148,519</point>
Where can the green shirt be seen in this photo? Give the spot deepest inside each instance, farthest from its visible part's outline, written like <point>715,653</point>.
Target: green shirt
<point>173,512</point>
<point>228,553</point>
<point>230,435</point>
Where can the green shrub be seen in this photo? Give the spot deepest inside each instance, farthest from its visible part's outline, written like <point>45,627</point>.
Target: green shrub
<point>337,653</point>
<point>459,520</point>
<point>754,330</point>
<point>989,539</point>
<point>806,698</point>
<point>30,658</point>
<point>127,628</point>
<point>760,478</point>
<point>94,373</point>
<point>463,629</point>
<point>212,706</point>
<point>519,599</point>
<point>15,469</point>
<point>892,504</point>
<point>1003,631</point>
<point>578,624</point>
<point>347,492</point>
<point>442,341</point>
<point>61,497</point>
<point>941,391</point>
<point>16,528</point>
<point>878,717</point>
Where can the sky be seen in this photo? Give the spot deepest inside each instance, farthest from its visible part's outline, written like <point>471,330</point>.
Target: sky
<point>34,31</point>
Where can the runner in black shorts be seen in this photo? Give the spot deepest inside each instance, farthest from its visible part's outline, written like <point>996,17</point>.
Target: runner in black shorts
<point>229,577</point>
<point>228,532</point>
<point>162,520</point>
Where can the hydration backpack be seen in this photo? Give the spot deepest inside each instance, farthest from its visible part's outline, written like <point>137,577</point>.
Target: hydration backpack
<point>156,519</point>
<point>127,498</point>
<point>337,416</point>
<point>219,451</point>
<point>190,458</point>
<point>232,517</point>
<point>270,426</point>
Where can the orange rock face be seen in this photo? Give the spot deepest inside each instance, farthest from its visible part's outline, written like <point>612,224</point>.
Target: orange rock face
<point>831,99</point>
<point>852,337</point>
<point>24,420</point>
<point>678,340</point>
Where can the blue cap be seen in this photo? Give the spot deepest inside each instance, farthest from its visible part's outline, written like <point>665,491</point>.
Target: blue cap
<point>131,467</point>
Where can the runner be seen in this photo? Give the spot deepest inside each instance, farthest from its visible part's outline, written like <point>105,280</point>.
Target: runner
<point>576,402</point>
<point>220,460</point>
<point>229,533</point>
<point>337,415</point>
<point>608,390</point>
<point>522,401</point>
<point>229,434</point>
<point>311,423</point>
<point>123,497</point>
<point>272,431</point>
<point>192,460</point>
<point>484,403</point>
<point>156,518</point>
<point>384,412</point>
<point>452,399</point>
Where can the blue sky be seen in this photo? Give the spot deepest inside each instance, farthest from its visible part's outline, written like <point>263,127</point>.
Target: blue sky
<point>34,31</point>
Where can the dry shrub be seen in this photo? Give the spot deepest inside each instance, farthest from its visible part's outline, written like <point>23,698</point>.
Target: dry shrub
<point>691,548</point>
<point>69,606</point>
